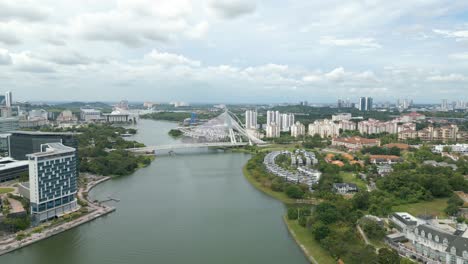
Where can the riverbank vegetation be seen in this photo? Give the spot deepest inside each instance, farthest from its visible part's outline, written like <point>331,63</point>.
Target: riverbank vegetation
<point>413,187</point>
<point>175,133</point>
<point>178,116</point>
<point>102,150</point>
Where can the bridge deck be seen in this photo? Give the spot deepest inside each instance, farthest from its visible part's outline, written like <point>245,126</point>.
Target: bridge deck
<point>187,146</point>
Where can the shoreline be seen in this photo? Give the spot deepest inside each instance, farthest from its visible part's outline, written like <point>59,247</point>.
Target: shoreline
<point>286,201</point>
<point>11,244</point>
<point>309,256</point>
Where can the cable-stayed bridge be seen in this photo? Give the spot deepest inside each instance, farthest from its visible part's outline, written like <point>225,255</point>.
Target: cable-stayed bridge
<point>225,130</point>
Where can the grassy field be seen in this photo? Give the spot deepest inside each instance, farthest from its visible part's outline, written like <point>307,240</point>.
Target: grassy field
<point>5,190</point>
<point>351,178</point>
<point>435,208</point>
<point>278,195</point>
<point>307,243</point>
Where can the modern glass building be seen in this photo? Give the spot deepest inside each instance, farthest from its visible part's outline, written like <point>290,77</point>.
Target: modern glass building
<point>22,143</point>
<point>11,169</point>
<point>365,103</point>
<point>52,181</point>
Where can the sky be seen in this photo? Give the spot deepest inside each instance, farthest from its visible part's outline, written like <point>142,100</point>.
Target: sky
<point>234,51</point>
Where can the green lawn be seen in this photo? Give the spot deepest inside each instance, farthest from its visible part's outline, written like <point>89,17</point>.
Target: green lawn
<point>278,195</point>
<point>435,208</point>
<point>351,178</point>
<point>307,243</point>
<point>5,190</point>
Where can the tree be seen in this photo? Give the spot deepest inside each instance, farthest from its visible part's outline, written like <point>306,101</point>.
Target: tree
<point>361,200</point>
<point>388,256</point>
<point>326,213</point>
<point>372,229</point>
<point>302,221</point>
<point>292,213</point>
<point>293,191</point>
<point>320,231</point>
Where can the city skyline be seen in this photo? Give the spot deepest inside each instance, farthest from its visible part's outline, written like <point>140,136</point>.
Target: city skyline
<point>113,49</point>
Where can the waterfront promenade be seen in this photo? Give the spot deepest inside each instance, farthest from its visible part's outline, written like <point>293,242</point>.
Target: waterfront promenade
<point>96,210</point>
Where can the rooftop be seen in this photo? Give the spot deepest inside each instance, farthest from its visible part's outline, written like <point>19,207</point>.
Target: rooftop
<point>357,140</point>
<point>9,163</point>
<point>52,149</point>
<point>40,133</point>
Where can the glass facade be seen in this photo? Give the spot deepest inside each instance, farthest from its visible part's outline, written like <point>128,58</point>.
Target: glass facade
<point>55,181</point>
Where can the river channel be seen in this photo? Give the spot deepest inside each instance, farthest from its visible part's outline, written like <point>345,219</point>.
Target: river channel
<point>194,207</point>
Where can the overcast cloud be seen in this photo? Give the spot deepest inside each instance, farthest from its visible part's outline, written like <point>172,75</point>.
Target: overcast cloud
<point>234,50</point>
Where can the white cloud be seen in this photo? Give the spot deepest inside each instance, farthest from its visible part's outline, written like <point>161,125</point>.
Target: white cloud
<point>349,42</point>
<point>459,34</point>
<point>7,36</point>
<point>232,8</point>
<point>312,78</point>
<point>133,23</point>
<point>22,10</point>
<point>336,75</point>
<point>199,30</point>
<point>27,62</point>
<point>5,57</point>
<point>170,59</point>
<point>453,77</point>
<point>459,56</point>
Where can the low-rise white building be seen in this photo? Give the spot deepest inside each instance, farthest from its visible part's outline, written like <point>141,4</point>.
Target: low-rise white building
<point>458,148</point>
<point>430,241</point>
<point>90,115</point>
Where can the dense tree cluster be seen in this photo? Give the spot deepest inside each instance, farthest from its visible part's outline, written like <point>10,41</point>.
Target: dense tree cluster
<point>381,151</point>
<point>95,143</point>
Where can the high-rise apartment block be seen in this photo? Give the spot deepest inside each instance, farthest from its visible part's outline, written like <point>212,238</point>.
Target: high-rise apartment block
<point>298,129</point>
<point>8,99</point>
<point>284,121</point>
<point>52,181</point>
<point>273,130</point>
<point>328,128</point>
<point>250,119</point>
<point>365,103</point>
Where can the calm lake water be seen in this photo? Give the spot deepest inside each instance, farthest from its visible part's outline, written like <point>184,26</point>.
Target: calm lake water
<point>190,208</point>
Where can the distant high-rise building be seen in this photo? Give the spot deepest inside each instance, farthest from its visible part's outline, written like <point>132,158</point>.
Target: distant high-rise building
<point>52,181</point>
<point>270,117</point>
<point>365,103</point>
<point>8,99</point>
<point>340,103</point>
<point>278,118</point>
<point>273,130</point>
<point>287,120</point>
<point>250,119</point>
<point>297,129</point>
<point>444,105</point>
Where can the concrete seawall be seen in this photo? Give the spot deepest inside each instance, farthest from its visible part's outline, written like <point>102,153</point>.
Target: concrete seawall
<point>10,243</point>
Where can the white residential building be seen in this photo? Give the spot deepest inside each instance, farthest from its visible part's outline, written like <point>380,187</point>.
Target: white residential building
<point>298,129</point>
<point>341,117</point>
<point>324,128</point>
<point>90,115</point>
<point>8,99</point>
<point>458,148</point>
<point>287,120</point>
<point>250,119</point>
<point>373,126</point>
<point>273,130</point>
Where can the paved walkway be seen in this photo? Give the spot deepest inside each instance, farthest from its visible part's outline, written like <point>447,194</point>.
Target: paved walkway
<point>10,243</point>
